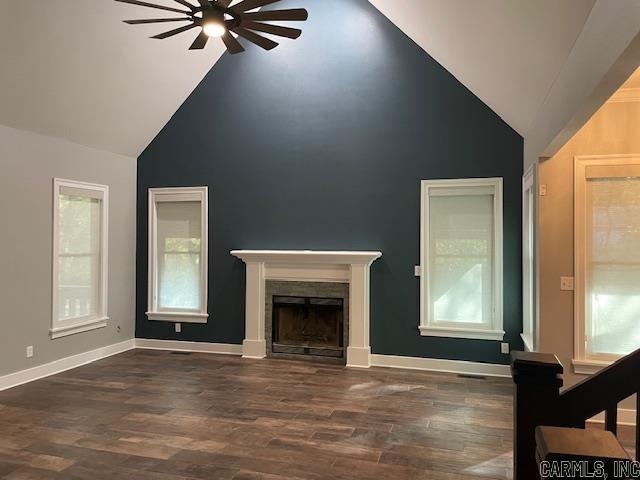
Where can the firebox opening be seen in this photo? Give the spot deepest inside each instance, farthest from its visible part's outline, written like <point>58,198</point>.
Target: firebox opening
<point>308,326</point>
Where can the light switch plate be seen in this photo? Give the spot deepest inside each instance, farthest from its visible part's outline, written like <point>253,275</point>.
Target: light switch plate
<point>178,327</point>
<point>417,270</point>
<point>566,283</point>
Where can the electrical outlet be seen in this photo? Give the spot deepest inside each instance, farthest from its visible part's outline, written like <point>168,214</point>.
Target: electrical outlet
<point>504,348</point>
<point>566,283</point>
<point>417,270</point>
<point>118,329</point>
<point>543,190</point>
<point>178,327</point>
<point>30,351</point>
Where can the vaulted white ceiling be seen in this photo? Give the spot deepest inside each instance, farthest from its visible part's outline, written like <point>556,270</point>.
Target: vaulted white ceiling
<point>72,69</point>
<point>507,52</point>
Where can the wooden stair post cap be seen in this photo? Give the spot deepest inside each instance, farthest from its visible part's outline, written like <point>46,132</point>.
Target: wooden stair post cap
<point>536,367</point>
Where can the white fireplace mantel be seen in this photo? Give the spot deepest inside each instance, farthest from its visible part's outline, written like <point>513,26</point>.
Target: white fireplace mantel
<point>313,266</point>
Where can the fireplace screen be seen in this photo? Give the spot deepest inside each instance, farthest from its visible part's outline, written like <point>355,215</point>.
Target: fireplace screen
<point>308,326</point>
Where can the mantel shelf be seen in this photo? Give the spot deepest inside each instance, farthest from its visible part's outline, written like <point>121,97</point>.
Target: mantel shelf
<point>307,256</point>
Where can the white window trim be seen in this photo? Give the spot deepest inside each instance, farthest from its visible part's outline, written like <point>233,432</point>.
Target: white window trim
<point>496,331</point>
<point>529,182</point>
<point>71,326</point>
<point>582,362</point>
<point>177,194</point>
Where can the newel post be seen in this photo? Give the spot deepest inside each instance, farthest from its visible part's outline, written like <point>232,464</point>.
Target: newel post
<point>537,380</point>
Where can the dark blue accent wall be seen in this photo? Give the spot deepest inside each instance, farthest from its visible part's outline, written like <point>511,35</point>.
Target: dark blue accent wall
<point>321,144</point>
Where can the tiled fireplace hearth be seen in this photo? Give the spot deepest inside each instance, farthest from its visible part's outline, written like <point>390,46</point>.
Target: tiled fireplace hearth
<point>308,266</point>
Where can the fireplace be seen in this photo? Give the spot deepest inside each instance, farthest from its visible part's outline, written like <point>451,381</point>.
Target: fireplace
<point>308,326</point>
<point>307,320</point>
<point>343,274</point>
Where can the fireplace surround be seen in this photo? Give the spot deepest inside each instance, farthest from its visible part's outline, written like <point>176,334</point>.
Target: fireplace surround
<point>307,320</point>
<point>351,267</point>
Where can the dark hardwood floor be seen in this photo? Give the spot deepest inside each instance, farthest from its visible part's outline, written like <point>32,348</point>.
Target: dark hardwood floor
<point>159,415</point>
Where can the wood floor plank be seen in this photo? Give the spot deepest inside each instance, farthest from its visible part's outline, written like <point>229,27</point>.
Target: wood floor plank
<point>153,415</point>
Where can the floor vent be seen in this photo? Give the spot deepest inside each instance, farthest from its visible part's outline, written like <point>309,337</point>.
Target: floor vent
<point>471,376</point>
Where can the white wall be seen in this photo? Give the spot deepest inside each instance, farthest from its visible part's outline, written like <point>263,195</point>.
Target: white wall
<point>28,163</point>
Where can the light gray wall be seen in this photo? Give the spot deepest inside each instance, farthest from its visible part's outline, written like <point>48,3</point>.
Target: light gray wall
<point>28,163</point>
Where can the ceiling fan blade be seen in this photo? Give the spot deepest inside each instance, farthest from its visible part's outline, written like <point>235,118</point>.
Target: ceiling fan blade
<point>204,3</point>
<point>232,44</point>
<point>247,5</point>
<point>200,42</point>
<point>224,3</point>
<point>296,14</point>
<point>176,31</point>
<point>157,20</point>
<point>272,29</point>
<point>185,3</point>
<point>259,40</point>
<point>151,5</point>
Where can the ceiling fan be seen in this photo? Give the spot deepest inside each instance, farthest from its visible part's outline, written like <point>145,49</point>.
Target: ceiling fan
<point>217,18</point>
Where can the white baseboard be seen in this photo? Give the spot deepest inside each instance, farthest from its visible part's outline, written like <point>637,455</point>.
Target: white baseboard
<point>196,347</point>
<point>391,361</point>
<point>440,365</point>
<point>626,416</point>
<point>59,366</point>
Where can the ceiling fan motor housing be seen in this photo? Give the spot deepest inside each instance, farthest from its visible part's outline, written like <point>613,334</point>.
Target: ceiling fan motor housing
<point>218,14</point>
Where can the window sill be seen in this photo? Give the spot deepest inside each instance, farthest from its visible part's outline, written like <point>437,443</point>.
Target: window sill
<point>589,367</point>
<point>472,334</point>
<point>92,324</point>
<point>178,317</point>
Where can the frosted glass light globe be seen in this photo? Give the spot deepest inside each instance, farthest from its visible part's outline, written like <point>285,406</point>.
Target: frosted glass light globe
<point>214,29</point>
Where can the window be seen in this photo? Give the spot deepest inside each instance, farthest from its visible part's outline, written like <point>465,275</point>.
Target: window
<point>529,324</point>
<point>461,260</point>
<point>80,213</point>
<point>607,258</point>
<point>178,233</point>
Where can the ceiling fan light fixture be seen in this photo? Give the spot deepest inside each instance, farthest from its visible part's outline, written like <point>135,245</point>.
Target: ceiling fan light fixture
<point>221,19</point>
<point>214,29</point>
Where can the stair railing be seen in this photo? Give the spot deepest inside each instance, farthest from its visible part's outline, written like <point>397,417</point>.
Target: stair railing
<point>539,401</point>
